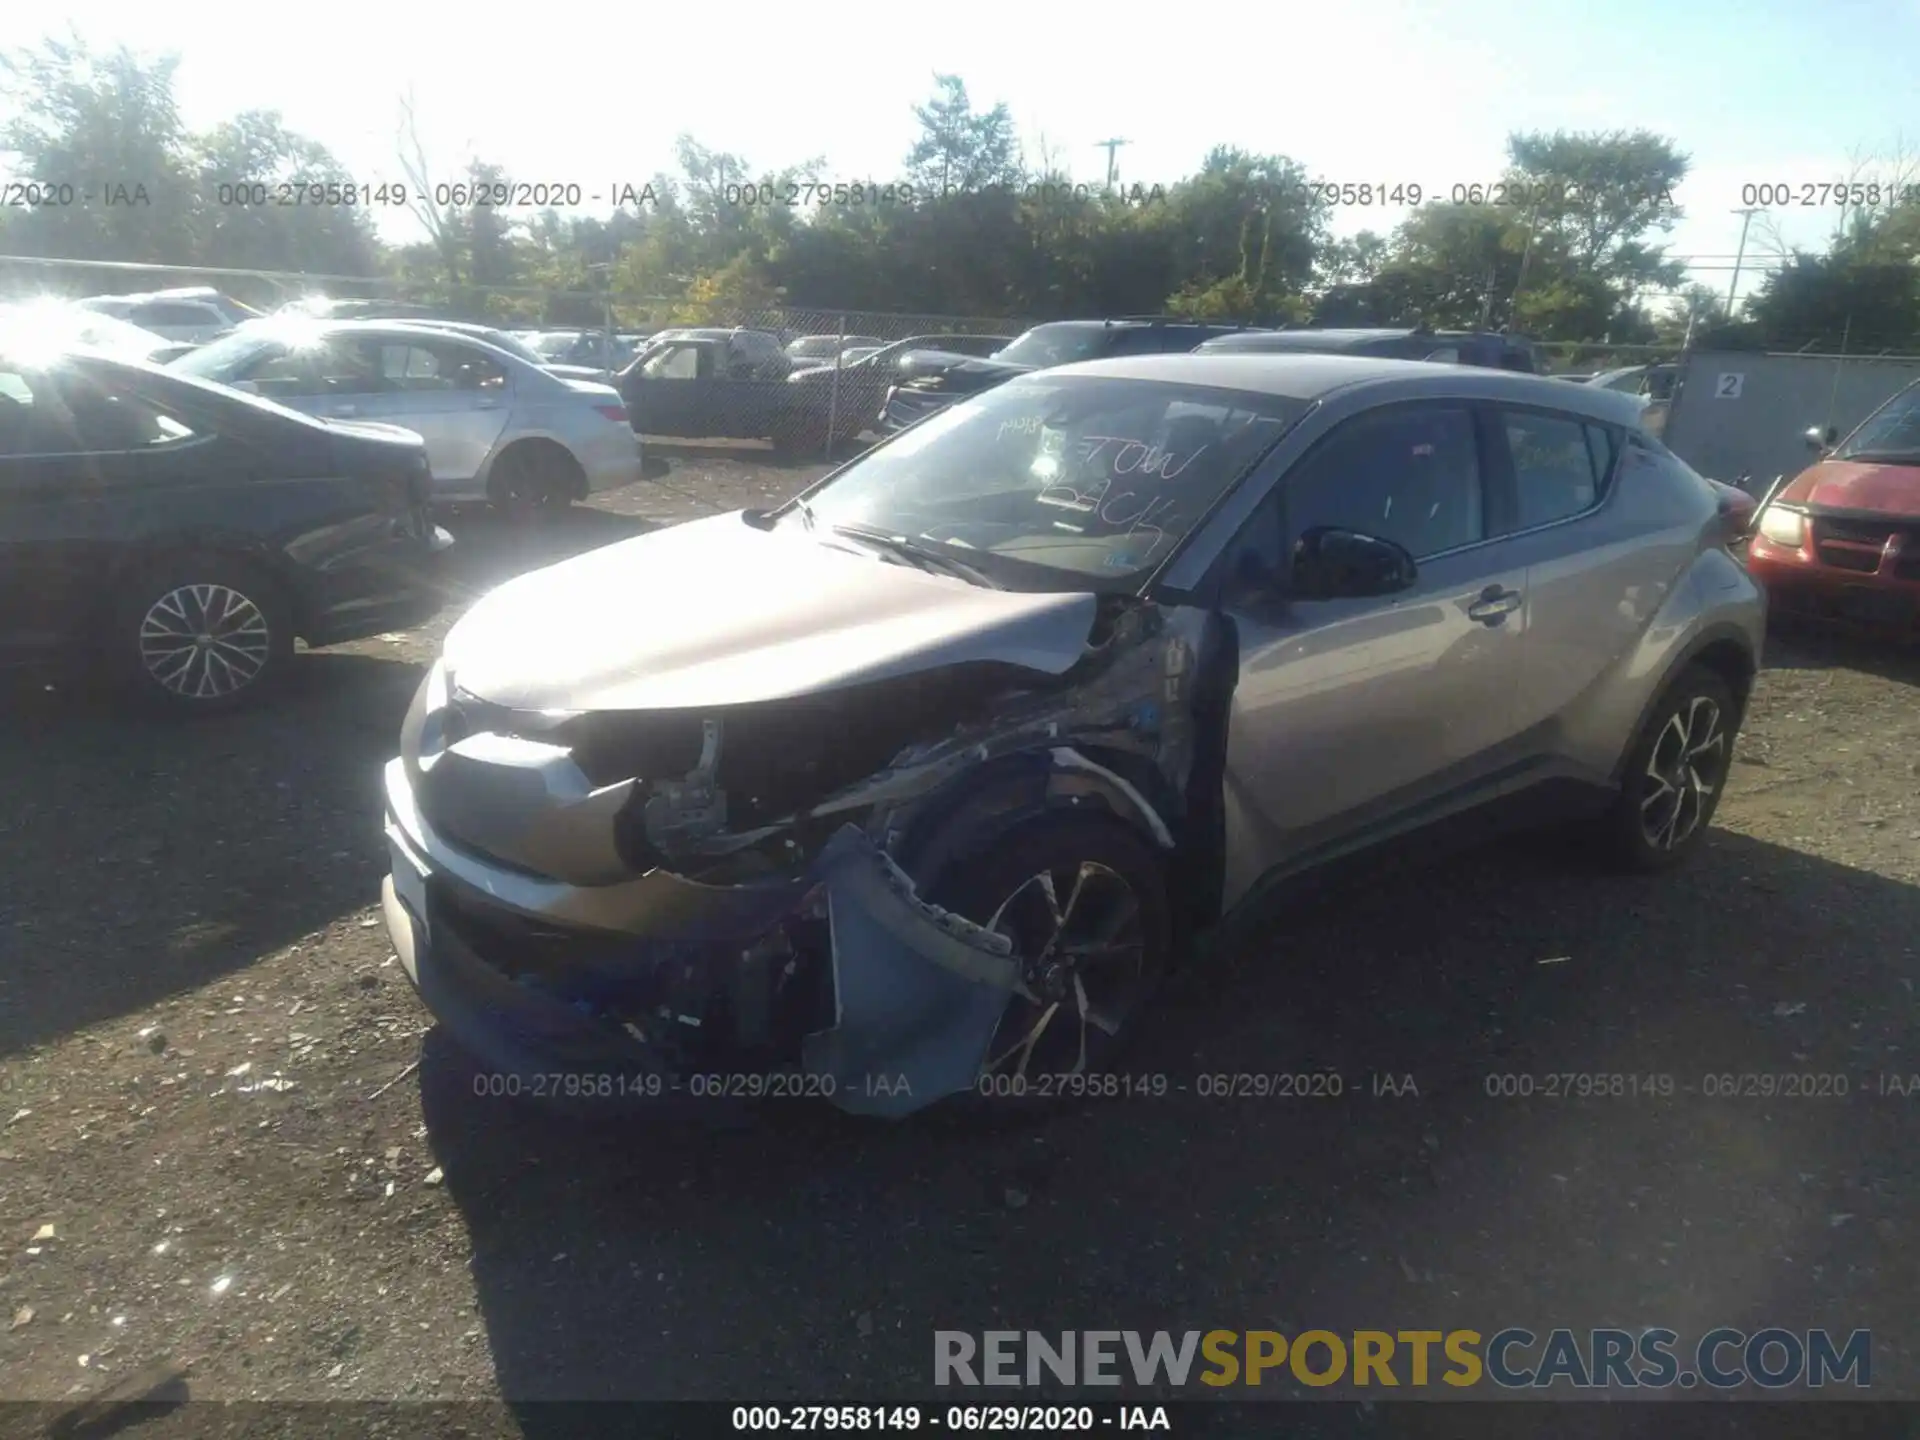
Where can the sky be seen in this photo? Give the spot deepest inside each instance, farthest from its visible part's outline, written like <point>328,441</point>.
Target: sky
<point>1392,92</point>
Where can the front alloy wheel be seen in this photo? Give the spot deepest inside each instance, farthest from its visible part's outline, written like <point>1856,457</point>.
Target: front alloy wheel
<point>204,642</point>
<point>1083,899</point>
<point>1085,969</point>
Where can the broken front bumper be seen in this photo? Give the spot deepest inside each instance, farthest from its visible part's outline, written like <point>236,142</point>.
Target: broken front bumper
<point>908,996</point>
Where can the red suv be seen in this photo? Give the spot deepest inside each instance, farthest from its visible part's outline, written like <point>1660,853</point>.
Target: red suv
<point>1841,540</point>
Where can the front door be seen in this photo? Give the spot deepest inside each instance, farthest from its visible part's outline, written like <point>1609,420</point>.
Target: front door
<point>666,393</point>
<point>1351,716</point>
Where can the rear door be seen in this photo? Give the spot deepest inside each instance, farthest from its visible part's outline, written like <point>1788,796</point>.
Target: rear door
<point>454,395</point>
<point>1352,714</point>
<point>1594,579</point>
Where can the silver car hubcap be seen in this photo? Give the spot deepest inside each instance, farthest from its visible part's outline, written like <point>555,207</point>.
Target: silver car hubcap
<point>203,642</point>
<point>1080,931</point>
<point>1683,774</point>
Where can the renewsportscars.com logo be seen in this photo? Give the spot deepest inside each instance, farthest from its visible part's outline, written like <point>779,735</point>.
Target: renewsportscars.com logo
<point>1511,1359</point>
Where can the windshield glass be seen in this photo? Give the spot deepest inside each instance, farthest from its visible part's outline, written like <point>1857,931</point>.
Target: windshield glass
<point>1891,433</point>
<point>1046,345</point>
<point>1071,479</point>
<point>228,355</point>
<point>554,344</point>
<point>814,347</point>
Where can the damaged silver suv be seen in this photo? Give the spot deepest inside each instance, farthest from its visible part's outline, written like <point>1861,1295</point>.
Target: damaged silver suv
<point>922,781</point>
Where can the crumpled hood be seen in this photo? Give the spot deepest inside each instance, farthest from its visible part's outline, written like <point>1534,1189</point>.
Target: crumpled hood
<point>1853,485</point>
<point>715,612</point>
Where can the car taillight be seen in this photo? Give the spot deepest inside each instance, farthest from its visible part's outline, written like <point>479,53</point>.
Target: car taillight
<point>615,413</point>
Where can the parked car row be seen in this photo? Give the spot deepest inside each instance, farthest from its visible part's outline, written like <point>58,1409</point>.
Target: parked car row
<point>1067,341</point>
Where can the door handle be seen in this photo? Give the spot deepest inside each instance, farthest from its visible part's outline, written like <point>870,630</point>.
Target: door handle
<point>1494,605</point>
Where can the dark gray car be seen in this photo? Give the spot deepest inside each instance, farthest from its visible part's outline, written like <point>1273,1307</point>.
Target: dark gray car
<point>924,781</point>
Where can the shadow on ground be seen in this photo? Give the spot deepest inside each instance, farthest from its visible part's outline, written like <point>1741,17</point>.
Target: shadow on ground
<point>178,851</point>
<point>816,1255</point>
<point>190,848</point>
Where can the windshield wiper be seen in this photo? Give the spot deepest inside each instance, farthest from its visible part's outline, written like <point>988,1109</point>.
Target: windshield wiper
<point>932,561</point>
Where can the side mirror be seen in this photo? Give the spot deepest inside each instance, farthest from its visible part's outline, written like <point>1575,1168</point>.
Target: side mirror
<point>1819,439</point>
<point>1334,564</point>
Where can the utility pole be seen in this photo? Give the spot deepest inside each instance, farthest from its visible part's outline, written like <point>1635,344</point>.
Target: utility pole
<point>1733,290</point>
<point>1112,148</point>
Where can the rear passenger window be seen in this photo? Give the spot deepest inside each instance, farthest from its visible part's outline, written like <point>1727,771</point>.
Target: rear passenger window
<point>1560,465</point>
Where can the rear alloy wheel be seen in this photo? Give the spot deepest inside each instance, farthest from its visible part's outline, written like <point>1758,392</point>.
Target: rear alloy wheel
<point>205,633</point>
<point>1675,774</point>
<point>1083,901</point>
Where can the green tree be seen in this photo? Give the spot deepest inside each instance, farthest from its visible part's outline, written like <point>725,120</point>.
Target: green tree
<point>1827,302</point>
<point>960,148</point>
<point>257,148</point>
<point>106,125</point>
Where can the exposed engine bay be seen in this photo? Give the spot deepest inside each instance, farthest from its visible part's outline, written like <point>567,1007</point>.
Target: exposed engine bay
<point>749,887</point>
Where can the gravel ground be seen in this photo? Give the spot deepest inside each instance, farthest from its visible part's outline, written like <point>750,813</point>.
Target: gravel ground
<point>216,1153</point>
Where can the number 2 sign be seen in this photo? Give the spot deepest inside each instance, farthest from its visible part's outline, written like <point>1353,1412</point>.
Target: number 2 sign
<point>1729,385</point>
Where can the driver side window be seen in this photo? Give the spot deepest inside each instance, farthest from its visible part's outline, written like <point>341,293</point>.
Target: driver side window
<point>1406,473</point>
<point>677,362</point>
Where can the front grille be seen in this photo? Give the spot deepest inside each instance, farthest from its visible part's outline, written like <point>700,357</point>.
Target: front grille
<point>1855,543</point>
<point>1853,531</point>
<point>1842,557</point>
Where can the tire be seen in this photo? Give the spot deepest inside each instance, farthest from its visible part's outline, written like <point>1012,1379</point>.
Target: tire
<point>1000,887</point>
<point>799,443</point>
<point>1667,799</point>
<point>155,644</point>
<point>530,480</point>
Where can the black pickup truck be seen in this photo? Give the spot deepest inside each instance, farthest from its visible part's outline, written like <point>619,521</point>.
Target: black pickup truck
<point>735,386</point>
<point>1059,342</point>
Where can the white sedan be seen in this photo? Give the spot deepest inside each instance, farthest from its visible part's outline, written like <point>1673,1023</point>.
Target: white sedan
<point>497,428</point>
